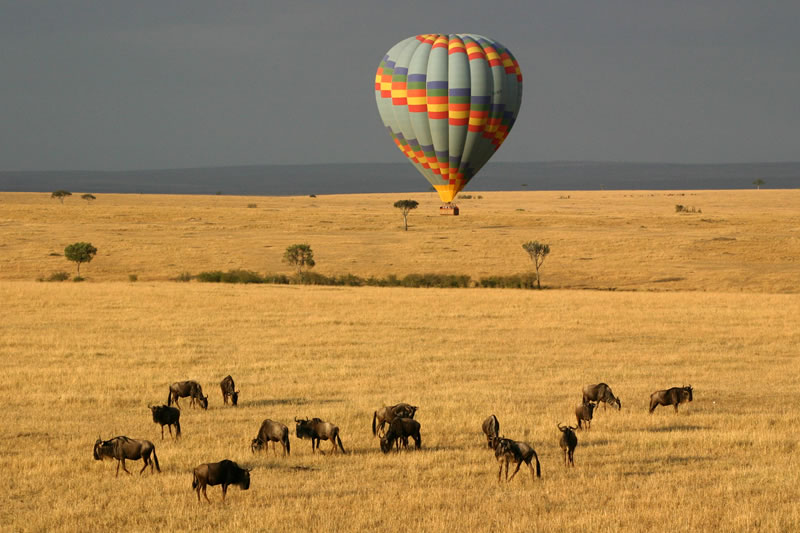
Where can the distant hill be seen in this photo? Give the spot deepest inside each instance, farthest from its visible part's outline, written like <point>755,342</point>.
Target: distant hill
<point>284,180</point>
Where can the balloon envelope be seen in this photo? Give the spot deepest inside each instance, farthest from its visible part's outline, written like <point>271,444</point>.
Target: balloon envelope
<point>448,101</point>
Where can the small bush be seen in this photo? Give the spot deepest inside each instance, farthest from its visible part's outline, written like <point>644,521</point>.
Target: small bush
<point>686,209</point>
<point>78,278</point>
<point>55,276</point>
<point>212,276</point>
<point>312,195</point>
<point>278,279</point>
<point>183,276</point>
<point>55,254</point>
<point>252,206</point>
<point>133,277</point>
<point>241,276</point>
<point>436,280</point>
<point>517,281</point>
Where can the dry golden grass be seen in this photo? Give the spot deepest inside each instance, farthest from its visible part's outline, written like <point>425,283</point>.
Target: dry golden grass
<point>743,240</point>
<point>80,360</point>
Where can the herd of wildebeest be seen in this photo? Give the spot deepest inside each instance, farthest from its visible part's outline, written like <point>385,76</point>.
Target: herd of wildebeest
<point>392,424</point>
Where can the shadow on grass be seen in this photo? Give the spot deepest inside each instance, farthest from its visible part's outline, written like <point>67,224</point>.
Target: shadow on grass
<point>287,401</point>
<point>670,429</point>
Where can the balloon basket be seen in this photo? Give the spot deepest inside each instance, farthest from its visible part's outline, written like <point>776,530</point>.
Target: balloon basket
<point>450,210</point>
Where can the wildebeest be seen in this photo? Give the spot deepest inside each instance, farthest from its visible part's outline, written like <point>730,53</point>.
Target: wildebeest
<point>401,428</point>
<point>224,473</point>
<point>317,430</point>
<point>167,416</point>
<point>229,390</point>
<point>584,414</point>
<point>274,432</point>
<point>568,443</point>
<point>600,393</point>
<point>387,413</point>
<point>507,450</point>
<point>674,396</point>
<point>182,389</point>
<point>491,428</point>
<point>121,448</point>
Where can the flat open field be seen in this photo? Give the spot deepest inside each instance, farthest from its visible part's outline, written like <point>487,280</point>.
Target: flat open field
<point>82,360</point>
<point>742,240</point>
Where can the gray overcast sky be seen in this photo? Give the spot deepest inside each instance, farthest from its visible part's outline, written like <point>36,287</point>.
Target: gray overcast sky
<point>114,85</point>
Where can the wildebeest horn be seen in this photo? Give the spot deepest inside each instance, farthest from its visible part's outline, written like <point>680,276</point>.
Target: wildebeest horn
<point>295,419</point>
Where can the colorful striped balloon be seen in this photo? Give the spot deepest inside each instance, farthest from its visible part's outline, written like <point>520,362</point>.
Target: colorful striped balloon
<point>448,102</point>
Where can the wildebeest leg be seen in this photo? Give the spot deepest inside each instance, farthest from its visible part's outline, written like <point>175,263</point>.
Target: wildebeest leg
<point>533,474</point>
<point>146,460</point>
<point>676,408</point>
<point>224,491</point>
<point>565,457</point>
<point>123,465</point>
<point>500,472</point>
<point>519,463</point>
<point>162,431</point>
<point>572,457</point>
<point>204,493</point>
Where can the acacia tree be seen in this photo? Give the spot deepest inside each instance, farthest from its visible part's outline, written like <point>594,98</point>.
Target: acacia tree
<point>537,252</point>
<point>80,252</point>
<point>60,194</point>
<point>405,206</point>
<point>758,183</point>
<point>300,256</point>
<point>88,197</point>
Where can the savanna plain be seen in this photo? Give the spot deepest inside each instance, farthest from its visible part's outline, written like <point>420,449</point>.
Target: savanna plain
<point>635,294</point>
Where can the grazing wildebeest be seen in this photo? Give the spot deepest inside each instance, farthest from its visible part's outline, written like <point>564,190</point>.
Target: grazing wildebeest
<point>600,393</point>
<point>674,396</point>
<point>224,473</point>
<point>507,450</point>
<point>401,428</point>
<point>167,416</point>
<point>584,414</point>
<point>317,430</point>
<point>274,432</point>
<point>229,390</point>
<point>121,448</point>
<point>182,389</point>
<point>387,413</point>
<point>491,428</point>
<point>568,443</point>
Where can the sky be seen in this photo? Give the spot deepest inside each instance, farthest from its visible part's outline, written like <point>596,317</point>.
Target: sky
<point>124,85</point>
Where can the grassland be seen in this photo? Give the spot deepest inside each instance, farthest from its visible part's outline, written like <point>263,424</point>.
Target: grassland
<point>742,240</point>
<point>80,360</point>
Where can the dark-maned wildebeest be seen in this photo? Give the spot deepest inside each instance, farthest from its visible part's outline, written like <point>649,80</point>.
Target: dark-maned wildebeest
<point>491,428</point>
<point>401,428</point>
<point>121,448</point>
<point>274,432</point>
<point>507,450</point>
<point>317,430</point>
<point>229,390</point>
<point>674,396</point>
<point>167,416</point>
<point>224,473</point>
<point>600,393</point>
<point>568,443</point>
<point>387,413</point>
<point>182,389</point>
<point>584,414</point>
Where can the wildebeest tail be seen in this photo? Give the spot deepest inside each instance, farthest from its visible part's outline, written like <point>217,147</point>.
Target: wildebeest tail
<point>288,446</point>
<point>339,441</point>
<point>177,428</point>
<point>155,459</point>
<point>374,419</point>
<point>194,480</point>
<point>538,466</point>
<point>169,397</point>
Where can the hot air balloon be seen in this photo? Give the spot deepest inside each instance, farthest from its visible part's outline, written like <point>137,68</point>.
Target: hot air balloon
<point>448,101</point>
